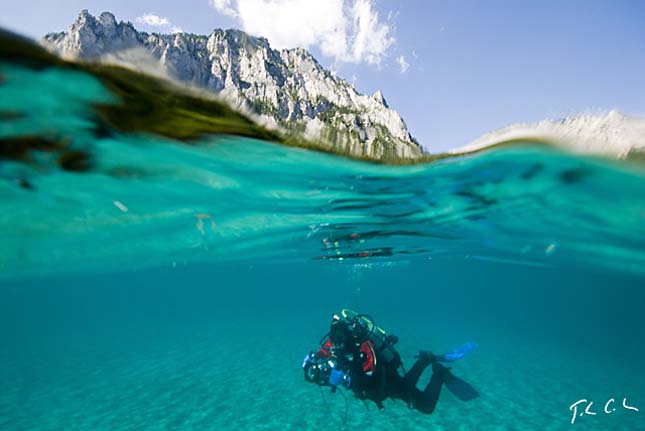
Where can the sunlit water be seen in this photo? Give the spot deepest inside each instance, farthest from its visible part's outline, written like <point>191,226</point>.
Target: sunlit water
<point>177,286</point>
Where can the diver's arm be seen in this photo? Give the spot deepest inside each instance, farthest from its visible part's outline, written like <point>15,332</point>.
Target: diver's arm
<point>381,384</point>
<point>370,387</point>
<point>379,395</point>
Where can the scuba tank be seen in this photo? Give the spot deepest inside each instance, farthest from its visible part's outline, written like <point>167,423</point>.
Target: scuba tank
<point>363,328</point>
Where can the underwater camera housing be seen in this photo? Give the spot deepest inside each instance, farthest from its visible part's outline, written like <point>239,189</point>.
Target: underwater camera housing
<point>318,370</point>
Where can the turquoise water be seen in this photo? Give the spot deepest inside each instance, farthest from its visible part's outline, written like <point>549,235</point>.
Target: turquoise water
<point>176,286</point>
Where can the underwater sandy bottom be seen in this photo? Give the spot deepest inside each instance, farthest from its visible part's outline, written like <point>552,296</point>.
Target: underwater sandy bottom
<point>150,358</point>
<point>229,377</point>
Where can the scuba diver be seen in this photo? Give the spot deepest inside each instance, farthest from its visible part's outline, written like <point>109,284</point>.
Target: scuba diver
<point>360,356</point>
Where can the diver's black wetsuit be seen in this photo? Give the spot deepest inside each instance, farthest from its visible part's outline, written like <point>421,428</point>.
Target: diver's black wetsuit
<point>369,365</point>
<point>387,382</point>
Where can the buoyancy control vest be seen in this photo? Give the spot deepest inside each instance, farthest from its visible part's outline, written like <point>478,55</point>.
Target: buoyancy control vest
<point>362,328</point>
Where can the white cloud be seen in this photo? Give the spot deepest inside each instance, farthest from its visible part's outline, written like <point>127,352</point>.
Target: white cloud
<point>224,7</point>
<point>153,20</point>
<point>403,65</point>
<point>371,37</point>
<point>347,30</point>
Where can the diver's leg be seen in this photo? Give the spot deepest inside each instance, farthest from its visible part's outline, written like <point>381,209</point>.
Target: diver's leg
<point>426,401</point>
<point>406,389</point>
<point>414,373</point>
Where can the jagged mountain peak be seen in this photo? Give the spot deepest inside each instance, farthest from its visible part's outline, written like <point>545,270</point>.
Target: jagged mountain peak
<point>85,15</point>
<point>378,96</point>
<point>108,19</point>
<point>286,89</point>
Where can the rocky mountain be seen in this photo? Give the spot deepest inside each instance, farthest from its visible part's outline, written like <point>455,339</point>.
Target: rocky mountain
<point>286,89</point>
<point>611,135</point>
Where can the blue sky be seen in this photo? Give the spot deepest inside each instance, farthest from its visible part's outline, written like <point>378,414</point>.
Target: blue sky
<point>472,66</point>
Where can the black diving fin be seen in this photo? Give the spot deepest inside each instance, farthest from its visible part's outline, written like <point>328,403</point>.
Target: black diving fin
<point>460,388</point>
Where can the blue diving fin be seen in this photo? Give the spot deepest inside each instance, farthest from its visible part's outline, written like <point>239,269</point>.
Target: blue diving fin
<point>458,353</point>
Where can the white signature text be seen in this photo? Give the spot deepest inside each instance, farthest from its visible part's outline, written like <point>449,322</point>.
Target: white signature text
<point>585,407</point>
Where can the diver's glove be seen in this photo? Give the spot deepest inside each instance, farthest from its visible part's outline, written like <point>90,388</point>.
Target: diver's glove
<point>339,378</point>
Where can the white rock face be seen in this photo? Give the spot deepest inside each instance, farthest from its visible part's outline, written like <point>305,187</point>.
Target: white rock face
<point>286,89</point>
<point>612,135</point>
